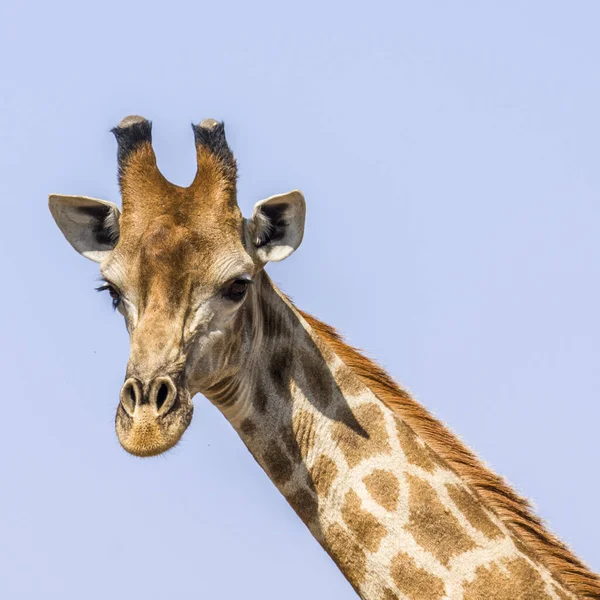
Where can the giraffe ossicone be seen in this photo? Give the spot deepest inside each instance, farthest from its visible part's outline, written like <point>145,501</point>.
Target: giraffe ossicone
<point>401,506</point>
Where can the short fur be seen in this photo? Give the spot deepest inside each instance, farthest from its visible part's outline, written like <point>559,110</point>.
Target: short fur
<point>511,508</point>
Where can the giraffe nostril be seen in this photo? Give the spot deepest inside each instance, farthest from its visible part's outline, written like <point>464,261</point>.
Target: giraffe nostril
<point>161,395</point>
<point>130,396</point>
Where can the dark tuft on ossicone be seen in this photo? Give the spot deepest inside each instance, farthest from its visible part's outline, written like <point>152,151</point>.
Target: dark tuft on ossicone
<point>131,133</point>
<point>210,134</point>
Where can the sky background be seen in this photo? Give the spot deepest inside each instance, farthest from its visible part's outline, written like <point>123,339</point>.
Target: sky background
<point>448,153</point>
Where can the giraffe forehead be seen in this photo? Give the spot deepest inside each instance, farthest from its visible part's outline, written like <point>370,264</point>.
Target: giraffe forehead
<point>164,240</point>
<point>169,245</point>
<point>180,219</point>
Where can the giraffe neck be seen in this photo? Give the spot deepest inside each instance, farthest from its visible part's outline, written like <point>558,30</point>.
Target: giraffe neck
<point>395,518</point>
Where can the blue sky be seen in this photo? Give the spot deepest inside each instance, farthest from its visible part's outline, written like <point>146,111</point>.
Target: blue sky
<point>448,153</point>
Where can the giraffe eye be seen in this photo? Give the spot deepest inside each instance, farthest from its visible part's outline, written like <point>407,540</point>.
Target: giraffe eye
<point>114,294</point>
<point>237,289</point>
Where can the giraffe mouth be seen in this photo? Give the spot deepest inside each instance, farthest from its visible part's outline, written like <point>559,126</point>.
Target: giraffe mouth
<point>146,431</point>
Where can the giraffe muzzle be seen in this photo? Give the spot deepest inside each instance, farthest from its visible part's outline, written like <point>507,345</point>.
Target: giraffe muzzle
<point>152,415</point>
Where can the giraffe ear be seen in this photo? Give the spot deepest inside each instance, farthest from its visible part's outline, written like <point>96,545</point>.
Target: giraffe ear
<point>277,226</point>
<point>91,226</point>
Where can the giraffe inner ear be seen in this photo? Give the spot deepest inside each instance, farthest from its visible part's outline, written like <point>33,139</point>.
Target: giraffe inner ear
<point>278,226</point>
<point>91,226</point>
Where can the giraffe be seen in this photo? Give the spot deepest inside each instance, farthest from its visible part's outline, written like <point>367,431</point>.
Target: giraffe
<point>403,508</point>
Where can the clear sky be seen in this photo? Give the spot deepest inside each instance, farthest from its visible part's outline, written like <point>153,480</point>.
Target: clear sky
<point>448,152</point>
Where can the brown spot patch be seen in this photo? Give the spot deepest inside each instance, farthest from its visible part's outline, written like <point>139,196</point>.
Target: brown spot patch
<point>389,595</point>
<point>358,445</point>
<point>416,583</point>
<point>248,427</point>
<point>305,505</point>
<point>323,473</point>
<point>473,511</point>
<point>303,425</point>
<point>289,441</point>
<point>259,400</point>
<point>418,455</point>
<point>347,554</point>
<point>520,581</point>
<point>348,382</point>
<point>432,525</point>
<point>383,487</point>
<point>367,529</point>
<point>278,465</point>
<point>279,370</point>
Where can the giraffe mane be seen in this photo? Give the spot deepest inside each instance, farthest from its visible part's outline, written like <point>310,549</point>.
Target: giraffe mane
<point>514,511</point>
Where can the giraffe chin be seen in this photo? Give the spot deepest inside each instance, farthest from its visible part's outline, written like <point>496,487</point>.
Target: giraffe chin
<point>148,434</point>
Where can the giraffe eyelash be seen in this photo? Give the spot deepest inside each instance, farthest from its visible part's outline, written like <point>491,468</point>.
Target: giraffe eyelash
<point>114,294</point>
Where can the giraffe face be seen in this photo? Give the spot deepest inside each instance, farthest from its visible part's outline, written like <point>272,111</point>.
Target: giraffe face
<point>180,289</point>
<point>179,265</point>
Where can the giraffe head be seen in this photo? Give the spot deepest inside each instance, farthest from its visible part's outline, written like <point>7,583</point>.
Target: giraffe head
<point>178,263</point>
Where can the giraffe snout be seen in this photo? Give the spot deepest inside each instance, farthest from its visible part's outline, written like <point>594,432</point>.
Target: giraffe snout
<point>152,415</point>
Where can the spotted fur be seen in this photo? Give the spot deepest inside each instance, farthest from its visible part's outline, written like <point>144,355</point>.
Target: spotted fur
<point>493,490</point>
